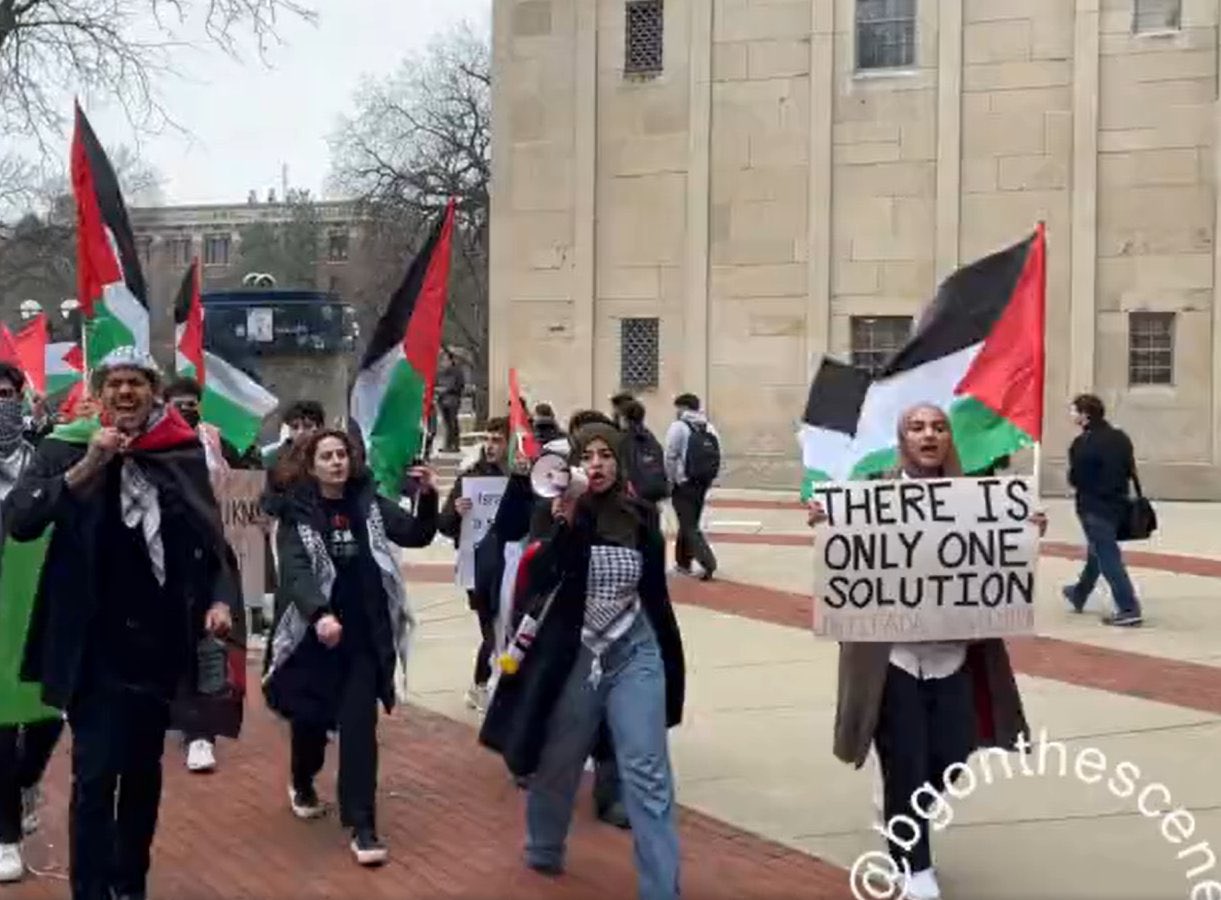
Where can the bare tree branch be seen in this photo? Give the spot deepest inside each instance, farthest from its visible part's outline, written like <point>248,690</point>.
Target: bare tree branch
<point>415,140</point>
<point>117,48</point>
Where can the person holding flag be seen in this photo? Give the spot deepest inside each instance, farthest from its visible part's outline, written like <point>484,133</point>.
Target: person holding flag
<point>30,729</point>
<point>137,550</point>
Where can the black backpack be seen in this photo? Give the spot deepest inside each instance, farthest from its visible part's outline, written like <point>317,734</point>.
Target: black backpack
<point>646,465</point>
<point>703,460</point>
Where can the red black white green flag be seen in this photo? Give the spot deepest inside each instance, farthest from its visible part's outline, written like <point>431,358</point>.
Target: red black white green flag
<point>234,402</point>
<point>977,352</point>
<point>392,395</point>
<point>109,283</point>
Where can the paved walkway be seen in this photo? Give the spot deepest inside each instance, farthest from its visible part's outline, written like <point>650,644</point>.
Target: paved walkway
<point>764,801</point>
<point>451,815</point>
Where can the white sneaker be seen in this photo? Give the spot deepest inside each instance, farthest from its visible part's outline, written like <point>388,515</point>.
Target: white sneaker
<point>11,866</point>
<point>922,885</point>
<point>477,698</point>
<point>31,800</point>
<point>201,757</point>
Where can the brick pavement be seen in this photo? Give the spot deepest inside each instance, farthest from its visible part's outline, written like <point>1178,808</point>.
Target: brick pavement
<point>448,810</point>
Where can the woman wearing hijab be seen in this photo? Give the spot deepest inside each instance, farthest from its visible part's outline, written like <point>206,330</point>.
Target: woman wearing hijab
<point>608,647</point>
<point>923,706</point>
<point>30,729</point>
<point>342,623</point>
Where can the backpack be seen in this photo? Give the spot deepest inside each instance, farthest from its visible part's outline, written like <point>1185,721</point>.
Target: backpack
<point>703,461</point>
<point>646,466</point>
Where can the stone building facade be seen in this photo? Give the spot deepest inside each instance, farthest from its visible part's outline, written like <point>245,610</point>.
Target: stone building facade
<point>707,195</point>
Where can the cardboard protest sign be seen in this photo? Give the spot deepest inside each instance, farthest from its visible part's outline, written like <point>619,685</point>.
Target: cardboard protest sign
<point>485,494</point>
<point>238,492</point>
<point>925,560</point>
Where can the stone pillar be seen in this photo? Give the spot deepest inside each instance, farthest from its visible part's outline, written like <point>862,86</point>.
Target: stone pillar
<point>818,231</point>
<point>699,189</point>
<point>1084,239</point>
<point>949,135</point>
<point>584,285</point>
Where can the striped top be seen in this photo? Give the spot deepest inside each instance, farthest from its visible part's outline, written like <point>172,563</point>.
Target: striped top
<point>612,601</point>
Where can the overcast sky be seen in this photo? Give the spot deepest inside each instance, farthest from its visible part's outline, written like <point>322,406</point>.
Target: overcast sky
<point>246,120</point>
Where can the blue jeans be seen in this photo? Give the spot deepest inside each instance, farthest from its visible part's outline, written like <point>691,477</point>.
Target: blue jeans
<point>1103,557</point>
<point>631,694</point>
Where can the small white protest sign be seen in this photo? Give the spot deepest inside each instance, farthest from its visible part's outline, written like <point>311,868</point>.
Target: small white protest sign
<point>484,494</point>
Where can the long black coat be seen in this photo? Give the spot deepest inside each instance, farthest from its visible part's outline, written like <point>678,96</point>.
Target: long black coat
<point>517,719</point>
<point>306,687</point>
<point>200,566</point>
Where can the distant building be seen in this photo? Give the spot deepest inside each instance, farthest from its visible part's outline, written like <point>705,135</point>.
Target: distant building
<point>169,237</point>
<point>707,195</point>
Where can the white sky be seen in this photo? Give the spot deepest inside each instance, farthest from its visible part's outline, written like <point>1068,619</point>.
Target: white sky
<point>246,119</point>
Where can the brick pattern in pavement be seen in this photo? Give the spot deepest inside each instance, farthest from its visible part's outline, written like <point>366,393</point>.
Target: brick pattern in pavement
<point>447,809</point>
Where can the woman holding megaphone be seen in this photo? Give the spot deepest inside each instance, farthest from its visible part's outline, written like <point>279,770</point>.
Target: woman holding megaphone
<point>607,647</point>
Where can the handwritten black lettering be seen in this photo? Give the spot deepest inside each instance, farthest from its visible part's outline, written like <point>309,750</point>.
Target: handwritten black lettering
<point>986,485</point>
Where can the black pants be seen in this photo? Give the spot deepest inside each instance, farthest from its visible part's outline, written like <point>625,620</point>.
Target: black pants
<point>487,644</point>
<point>357,745</point>
<point>688,500</point>
<point>924,726</point>
<point>607,791</point>
<point>117,739</point>
<point>25,751</point>
<point>449,415</point>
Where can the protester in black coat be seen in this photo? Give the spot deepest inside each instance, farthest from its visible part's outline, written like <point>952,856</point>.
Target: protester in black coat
<point>137,573</point>
<point>602,552</point>
<point>342,623</point>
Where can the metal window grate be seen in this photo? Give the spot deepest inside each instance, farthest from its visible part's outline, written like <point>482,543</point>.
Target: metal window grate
<point>639,353</point>
<point>1150,348</point>
<point>875,339</point>
<point>1157,15</point>
<point>643,39</point>
<point>885,34</point>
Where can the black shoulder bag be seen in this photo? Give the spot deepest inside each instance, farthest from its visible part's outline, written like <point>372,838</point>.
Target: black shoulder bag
<point>1140,519</point>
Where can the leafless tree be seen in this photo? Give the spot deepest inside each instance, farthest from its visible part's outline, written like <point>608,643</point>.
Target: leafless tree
<point>115,48</point>
<point>414,140</point>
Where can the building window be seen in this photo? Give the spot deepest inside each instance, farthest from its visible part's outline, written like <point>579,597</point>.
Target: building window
<point>335,285</point>
<point>875,339</point>
<point>1150,348</point>
<point>1152,16</point>
<point>216,250</point>
<point>180,251</point>
<point>337,246</point>
<point>885,34</point>
<point>642,46</point>
<point>639,356</point>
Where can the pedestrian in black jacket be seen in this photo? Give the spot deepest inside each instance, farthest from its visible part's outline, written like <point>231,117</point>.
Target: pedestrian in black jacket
<point>490,464</point>
<point>1101,466</point>
<point>342,623</point>
<point>608,648</point>
<point>136,575</point>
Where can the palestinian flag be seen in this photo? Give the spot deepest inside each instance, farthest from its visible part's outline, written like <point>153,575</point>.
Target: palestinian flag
<point>521,436</point>
<point>65,363</point>
<point>109,284</point>
<point>392,395</point>
<point>977,352</point>
<point>233,402</point>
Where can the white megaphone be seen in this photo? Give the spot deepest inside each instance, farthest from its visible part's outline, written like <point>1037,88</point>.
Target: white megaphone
<point>551,476</point>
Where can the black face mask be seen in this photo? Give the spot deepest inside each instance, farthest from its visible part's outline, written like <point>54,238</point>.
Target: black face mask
<point>191,415</point>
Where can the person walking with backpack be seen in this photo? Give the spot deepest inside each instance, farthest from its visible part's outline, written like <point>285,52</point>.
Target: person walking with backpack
<point>644,457</point>
<point>693,461</point>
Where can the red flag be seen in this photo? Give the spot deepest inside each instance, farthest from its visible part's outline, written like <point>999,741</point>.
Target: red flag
<point>188,320</point>
<point>8,347</point>
<point>31,345</point>
<point>75,395</point>
<point>523,437</point>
